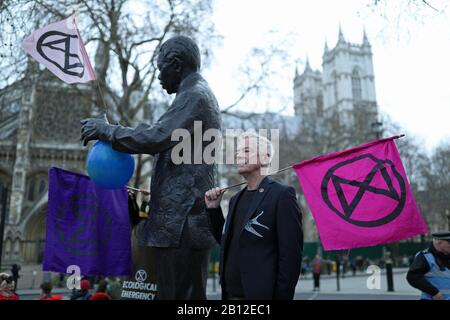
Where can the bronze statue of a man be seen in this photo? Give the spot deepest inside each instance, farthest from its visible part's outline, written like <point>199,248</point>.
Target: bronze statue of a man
<point>177,230</point>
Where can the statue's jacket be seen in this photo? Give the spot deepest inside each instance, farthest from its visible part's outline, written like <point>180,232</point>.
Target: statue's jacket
<point>177,190</point>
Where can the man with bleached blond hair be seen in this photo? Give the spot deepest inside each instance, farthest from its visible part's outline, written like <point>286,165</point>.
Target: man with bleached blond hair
<point>261,238</point>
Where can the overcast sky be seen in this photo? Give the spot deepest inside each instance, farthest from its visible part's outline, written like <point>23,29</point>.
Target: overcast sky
<point>411,53</point>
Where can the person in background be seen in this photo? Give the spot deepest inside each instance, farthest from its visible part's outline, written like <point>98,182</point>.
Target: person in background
<point>101,294</point>
<point>114,288</point>
<point>344,262</point>
<point>61,283</point>
<point>430,270</point>
<point>7,287</point>
<point>15,274</point>
<point>83,293</point>
<point>405,261</point>
<point>305,266</point>
<point>353,267</point>
<point>317,270</point>
<point>46,292</point>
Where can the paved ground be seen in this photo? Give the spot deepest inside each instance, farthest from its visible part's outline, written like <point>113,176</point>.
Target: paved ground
<point>358,284</point>
<point>353,296</point>
<point>351,288</point>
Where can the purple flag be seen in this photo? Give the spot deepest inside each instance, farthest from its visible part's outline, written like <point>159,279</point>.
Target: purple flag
<point>86,226</point>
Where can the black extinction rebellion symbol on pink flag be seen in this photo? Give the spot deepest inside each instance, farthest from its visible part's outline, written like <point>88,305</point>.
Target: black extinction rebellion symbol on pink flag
<point>58,45</point>
<point>395,189</point>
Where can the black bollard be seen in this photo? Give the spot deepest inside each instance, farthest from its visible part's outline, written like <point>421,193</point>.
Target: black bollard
<point>338,271</point>
<point>390,277</point>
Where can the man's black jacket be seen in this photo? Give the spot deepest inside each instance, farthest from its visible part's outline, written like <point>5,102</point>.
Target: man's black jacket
<point>177,191</point>
<point>269,262</point>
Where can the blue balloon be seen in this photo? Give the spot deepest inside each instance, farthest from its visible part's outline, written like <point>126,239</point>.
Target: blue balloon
<point>108,168</point>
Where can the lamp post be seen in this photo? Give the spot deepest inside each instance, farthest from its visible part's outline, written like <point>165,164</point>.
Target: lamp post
<point>338,271</point>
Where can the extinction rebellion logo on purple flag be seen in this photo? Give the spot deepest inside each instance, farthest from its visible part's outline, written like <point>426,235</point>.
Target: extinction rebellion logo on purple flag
<point>86,226</point>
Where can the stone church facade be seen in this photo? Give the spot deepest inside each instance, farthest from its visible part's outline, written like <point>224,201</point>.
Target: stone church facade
<point>344,88</point>
<point>39,129</point>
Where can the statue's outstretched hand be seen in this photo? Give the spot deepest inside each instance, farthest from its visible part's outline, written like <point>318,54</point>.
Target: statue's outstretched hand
<point>96,129</point>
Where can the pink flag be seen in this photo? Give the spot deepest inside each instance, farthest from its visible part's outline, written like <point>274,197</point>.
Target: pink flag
<point>361,196</point>
<point>59,47</point>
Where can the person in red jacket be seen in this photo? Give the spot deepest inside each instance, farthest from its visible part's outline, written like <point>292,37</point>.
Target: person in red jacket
<point>7,287</point>
<point>317,270</point>
<point>46,292</point>
<point>101,294</point>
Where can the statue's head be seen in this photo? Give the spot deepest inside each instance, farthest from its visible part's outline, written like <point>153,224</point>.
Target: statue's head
<point>178,57</point>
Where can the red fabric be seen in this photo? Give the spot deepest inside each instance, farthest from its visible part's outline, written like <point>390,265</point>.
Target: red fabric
<point>6,294</point>
<point>317,267</point>
<point>54,297</point>
<point>100,296</point>
<point>85,285</point>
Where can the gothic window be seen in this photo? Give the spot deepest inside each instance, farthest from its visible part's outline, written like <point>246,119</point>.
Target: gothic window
<point>319,105</point>
<point>41,187</point>
<point>5,183</point>
<point>8,248</point>
<point>8,107</point>
<point>356,85</point>
<point>2,109</point>
<point>64,105</point>
<point>14,106</point>
<point>31,188</point>
<point>335,120</point>
<point>335,87</point>
<point>37,185</point>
